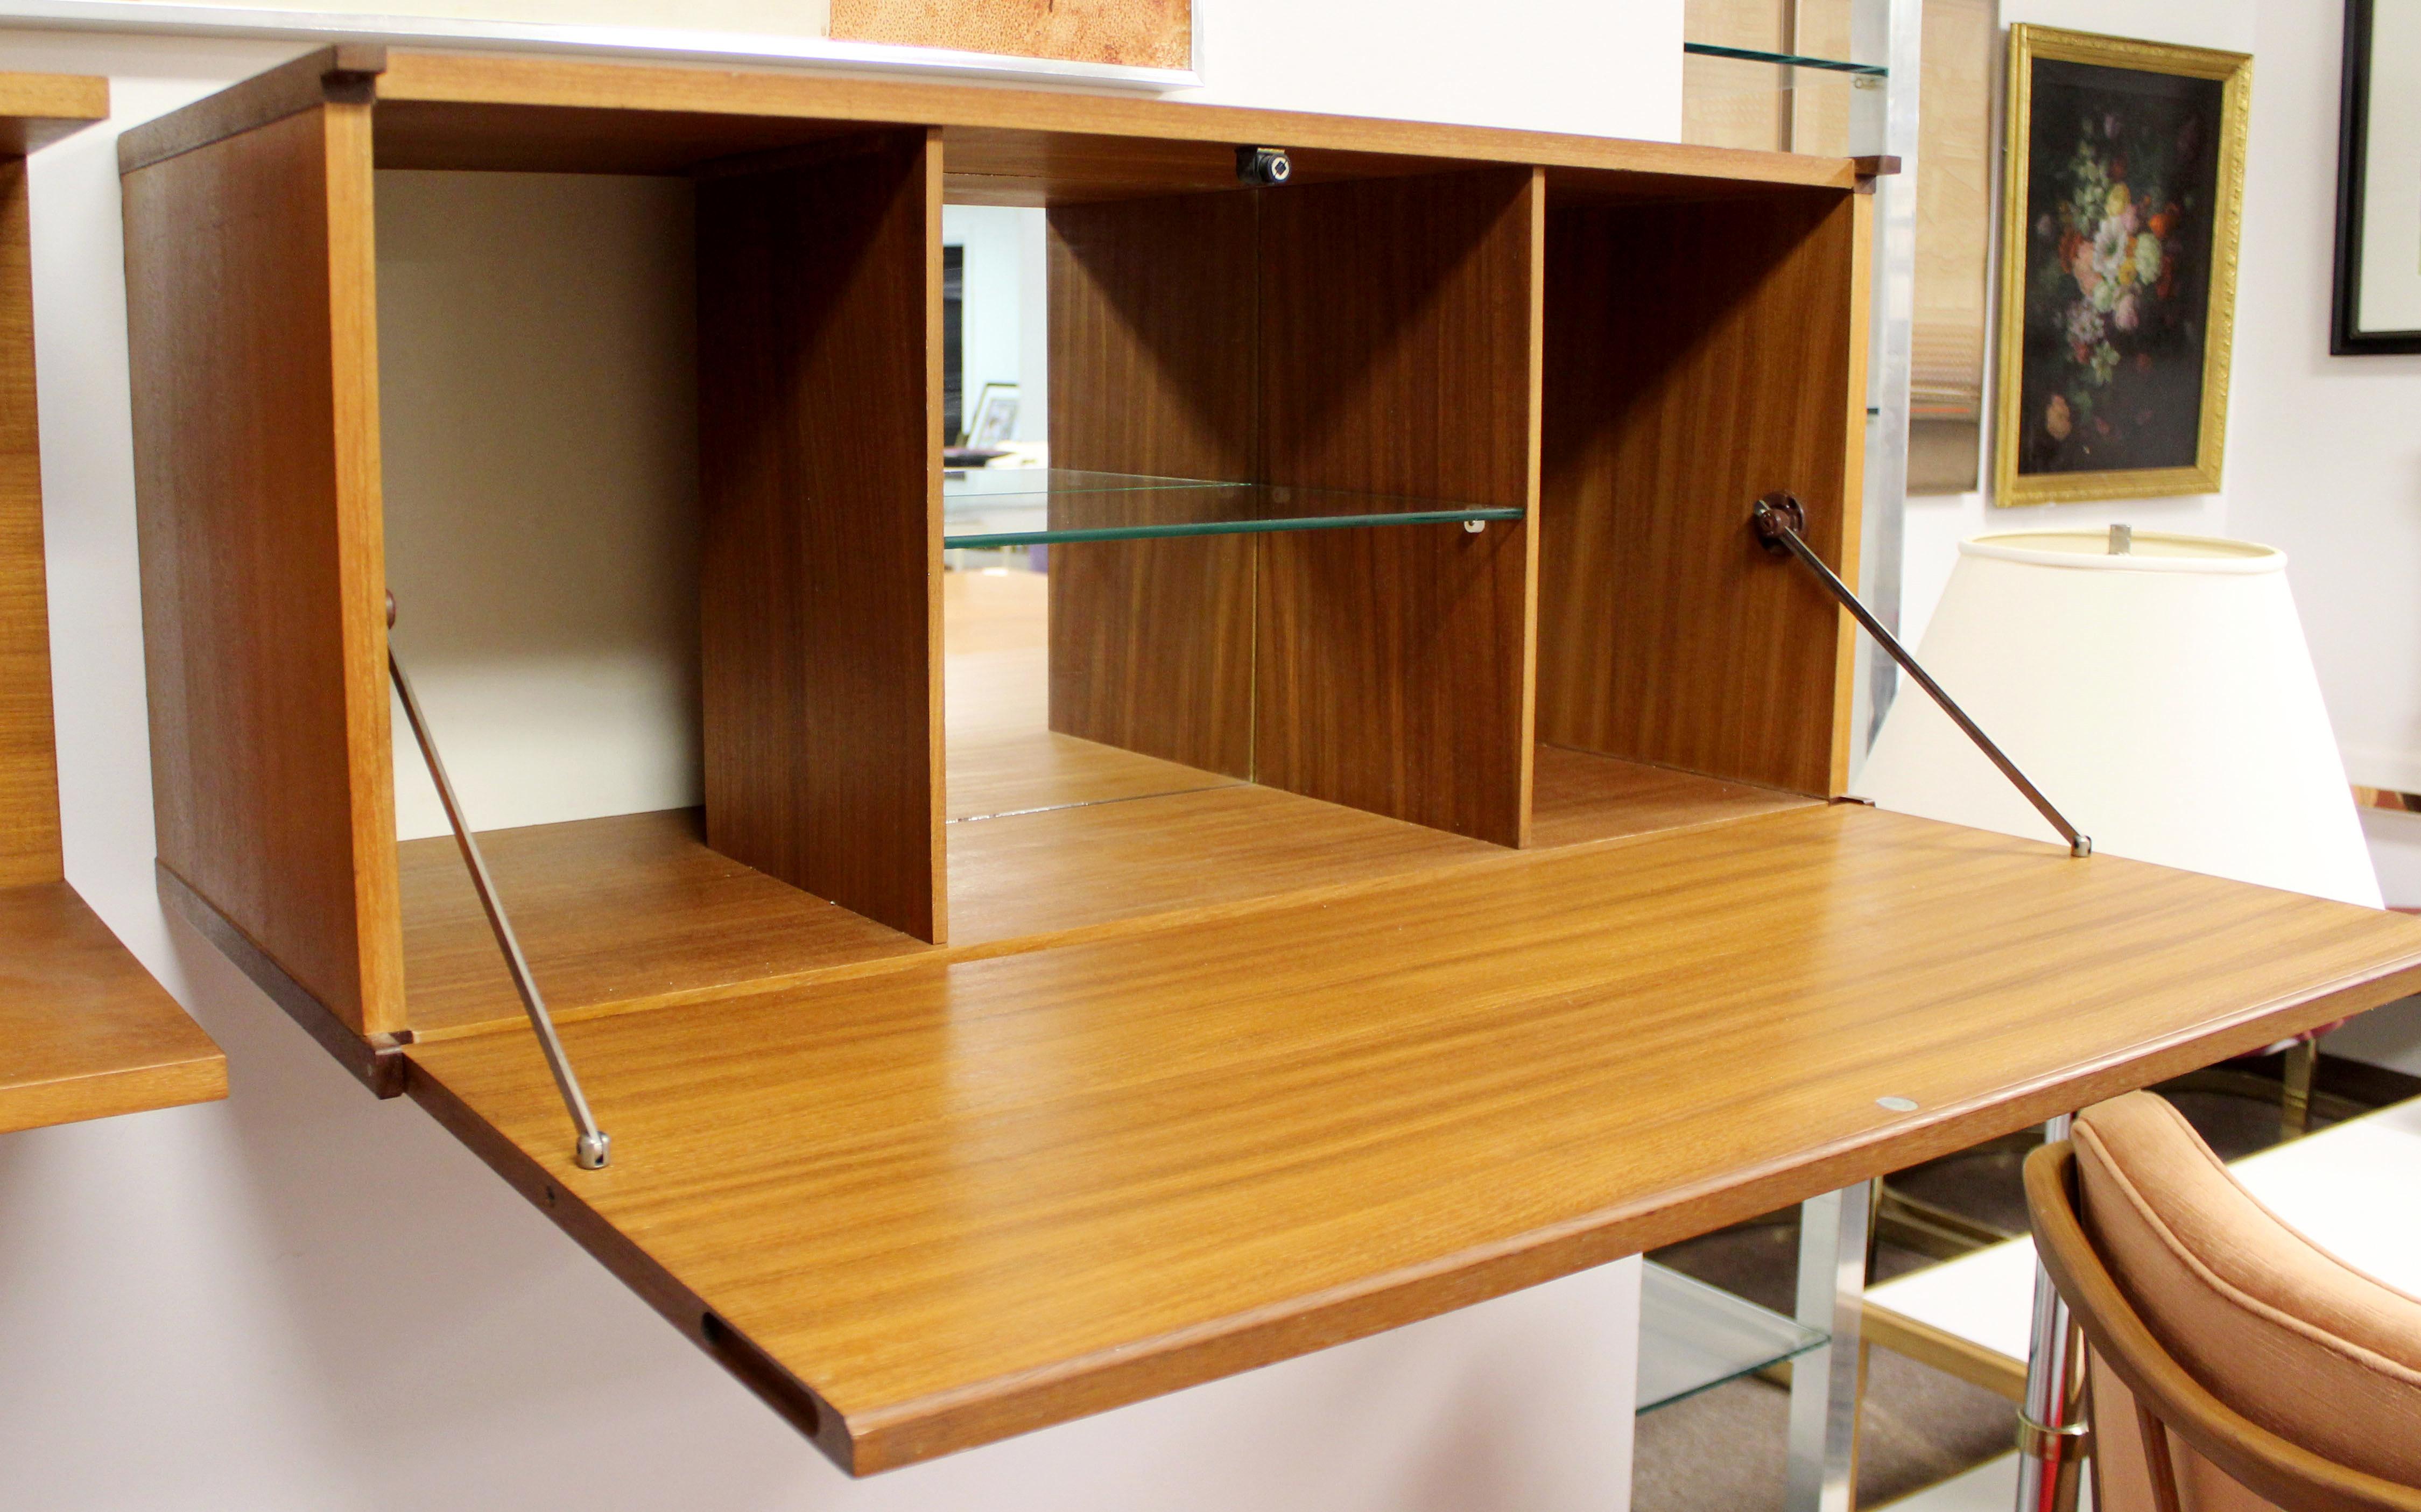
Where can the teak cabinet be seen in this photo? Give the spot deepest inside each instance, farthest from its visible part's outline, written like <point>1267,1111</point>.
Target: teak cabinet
<point>85,1032</point>
<point>1503,922</point>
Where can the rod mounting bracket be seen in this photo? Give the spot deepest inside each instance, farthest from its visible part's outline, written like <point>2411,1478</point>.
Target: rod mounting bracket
<point>1774,514</point>
<point>591,1152</point>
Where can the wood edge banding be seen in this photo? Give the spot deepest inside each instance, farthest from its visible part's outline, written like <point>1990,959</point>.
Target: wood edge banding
<point>117,1094</point>
<point>345,73</point>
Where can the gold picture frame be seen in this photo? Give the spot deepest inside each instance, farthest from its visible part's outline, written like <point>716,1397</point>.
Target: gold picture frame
<point>2102,360</point>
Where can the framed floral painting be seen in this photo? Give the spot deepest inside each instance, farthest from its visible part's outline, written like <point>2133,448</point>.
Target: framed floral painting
<point>2123,183</point>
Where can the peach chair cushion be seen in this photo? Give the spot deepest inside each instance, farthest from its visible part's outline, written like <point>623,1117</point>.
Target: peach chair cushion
<point>2274,1326</point>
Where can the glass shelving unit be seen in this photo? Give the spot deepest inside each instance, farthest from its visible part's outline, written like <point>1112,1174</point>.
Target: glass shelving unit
<point>1693,1337</point>
<point>1748,96</point>
<point>1793,60</point>
<point>1043,507</point>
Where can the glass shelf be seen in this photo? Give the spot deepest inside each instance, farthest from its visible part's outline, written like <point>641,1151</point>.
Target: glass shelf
<point>1791,60</point>
<point>1042,506</point>
<point>1693,1336</point>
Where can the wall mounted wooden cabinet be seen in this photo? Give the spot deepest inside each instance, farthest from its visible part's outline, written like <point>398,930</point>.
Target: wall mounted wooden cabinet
<point>85,1032</point>
<point>1473,906</point>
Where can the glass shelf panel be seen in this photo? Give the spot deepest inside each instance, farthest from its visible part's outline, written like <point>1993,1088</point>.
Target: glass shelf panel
<point>1693,1336</point>
<point>1041,507</point>
<point>1791,60</point>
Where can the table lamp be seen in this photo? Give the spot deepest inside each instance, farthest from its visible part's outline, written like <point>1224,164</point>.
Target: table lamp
<point>2157,689</point>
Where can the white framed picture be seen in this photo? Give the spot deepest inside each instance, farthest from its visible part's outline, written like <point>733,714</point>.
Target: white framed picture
<point>994,420</point>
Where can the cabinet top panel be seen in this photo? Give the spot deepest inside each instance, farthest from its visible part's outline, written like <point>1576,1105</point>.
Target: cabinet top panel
<point>440,110</point>
<point>36,109</point>
<point>947,1202</point>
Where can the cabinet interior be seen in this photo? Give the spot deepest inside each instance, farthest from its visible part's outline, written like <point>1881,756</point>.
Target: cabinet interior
<point>660,478</point>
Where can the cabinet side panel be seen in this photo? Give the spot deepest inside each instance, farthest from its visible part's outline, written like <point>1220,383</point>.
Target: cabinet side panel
<point>249,305</point>
<point>1398,357</point>
<point>1697,357</point>
<point>820,407</point>
<point>1153,370</point>
<point>29,788</point>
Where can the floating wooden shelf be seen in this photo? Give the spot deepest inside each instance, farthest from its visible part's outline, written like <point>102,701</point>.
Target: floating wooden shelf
<point>1076,986</point>
<point>85,1032</point>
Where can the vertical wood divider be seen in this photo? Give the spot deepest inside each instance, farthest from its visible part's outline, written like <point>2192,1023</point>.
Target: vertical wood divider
<point>1699,356</point>
<point>1399,355</point>
<point>819,405</point>
<point>258,516</point>
<point>1851,534</point>
<point>1154,369</point>
<point>1535,444</point>
<point>29,786</point>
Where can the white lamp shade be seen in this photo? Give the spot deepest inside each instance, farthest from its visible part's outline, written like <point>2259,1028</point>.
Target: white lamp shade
<point>2163,700</point>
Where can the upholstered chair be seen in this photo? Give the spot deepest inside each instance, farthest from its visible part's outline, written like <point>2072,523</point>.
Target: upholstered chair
<point>2234,1364</point>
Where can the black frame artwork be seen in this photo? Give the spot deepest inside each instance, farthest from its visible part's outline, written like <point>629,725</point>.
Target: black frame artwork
<point>2347,337</point>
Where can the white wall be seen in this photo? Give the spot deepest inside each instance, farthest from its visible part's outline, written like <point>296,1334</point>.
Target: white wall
<point>1608,67</point>
<point>2325,461</point>
<point>538,407</point>
<point>306,1299</point>
<point>2326,456</point>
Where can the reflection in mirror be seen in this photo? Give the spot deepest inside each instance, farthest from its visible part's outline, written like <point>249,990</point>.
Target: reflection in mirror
<point>1006,675</point>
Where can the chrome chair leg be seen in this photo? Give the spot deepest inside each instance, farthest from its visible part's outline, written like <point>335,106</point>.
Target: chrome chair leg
<point>2054,1437</point>
<point>1824,1381</point>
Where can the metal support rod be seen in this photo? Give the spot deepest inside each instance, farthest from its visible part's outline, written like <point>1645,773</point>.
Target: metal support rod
<point>2055,1437</point>
<point>594,1148</point>
<point>1822,1460</point>
<point>1779,520</point>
